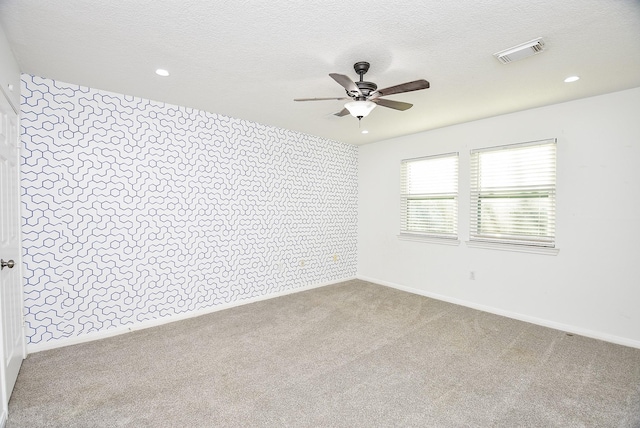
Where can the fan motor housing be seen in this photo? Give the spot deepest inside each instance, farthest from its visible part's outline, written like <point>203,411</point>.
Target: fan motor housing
<point>366,87</point>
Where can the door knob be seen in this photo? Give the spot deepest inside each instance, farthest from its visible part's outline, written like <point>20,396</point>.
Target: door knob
<point>8,264</point>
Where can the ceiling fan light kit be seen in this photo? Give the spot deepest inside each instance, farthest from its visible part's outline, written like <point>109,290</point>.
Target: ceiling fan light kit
<point>360,109</point>
<point>365,96</point>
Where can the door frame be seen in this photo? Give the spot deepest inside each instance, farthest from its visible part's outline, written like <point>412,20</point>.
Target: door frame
<point>5,393</point>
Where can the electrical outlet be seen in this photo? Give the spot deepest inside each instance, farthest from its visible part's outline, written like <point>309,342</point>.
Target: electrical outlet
<point>472,275</point>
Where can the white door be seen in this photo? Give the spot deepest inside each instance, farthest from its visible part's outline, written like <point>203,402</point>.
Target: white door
<point>12,343</point>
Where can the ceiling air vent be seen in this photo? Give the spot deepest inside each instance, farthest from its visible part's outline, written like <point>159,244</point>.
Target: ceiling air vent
<point>520,51</point>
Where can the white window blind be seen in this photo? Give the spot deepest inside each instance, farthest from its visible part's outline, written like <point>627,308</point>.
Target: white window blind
<point>513,194</point>
<point>429,196</point>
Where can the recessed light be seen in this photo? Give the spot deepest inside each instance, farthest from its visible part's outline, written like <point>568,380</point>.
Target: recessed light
<point>162,72</point>
<point>571,79</point>
<point>364,131</point>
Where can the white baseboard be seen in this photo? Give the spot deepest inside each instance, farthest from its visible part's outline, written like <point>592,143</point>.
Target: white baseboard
<point>533,320</point>
<point>89,337</point>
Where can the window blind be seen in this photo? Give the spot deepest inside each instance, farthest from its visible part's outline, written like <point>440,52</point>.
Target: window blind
<point>429,196</point>
<point>513,194</point>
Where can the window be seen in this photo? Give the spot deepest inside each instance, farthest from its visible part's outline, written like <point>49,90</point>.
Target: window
<point>513,194</point>
<point>429,196</point>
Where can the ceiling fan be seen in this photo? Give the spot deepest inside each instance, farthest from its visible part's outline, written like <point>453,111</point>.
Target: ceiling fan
<point>364,96</point>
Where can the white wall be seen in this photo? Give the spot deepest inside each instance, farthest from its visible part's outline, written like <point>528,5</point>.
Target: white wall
<point>591,287</point>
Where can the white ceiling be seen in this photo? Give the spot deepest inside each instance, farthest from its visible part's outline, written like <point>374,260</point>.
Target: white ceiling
<point>249,59</point>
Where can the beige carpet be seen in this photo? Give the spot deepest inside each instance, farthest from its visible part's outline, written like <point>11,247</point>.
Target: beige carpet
<point>353,354</point>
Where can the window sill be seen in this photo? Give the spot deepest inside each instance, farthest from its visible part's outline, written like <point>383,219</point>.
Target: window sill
<point>513,247</point>
<point>429,239</point>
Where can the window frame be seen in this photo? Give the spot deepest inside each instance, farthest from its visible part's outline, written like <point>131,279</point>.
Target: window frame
<point>527,242</point>
<point>443,237</point>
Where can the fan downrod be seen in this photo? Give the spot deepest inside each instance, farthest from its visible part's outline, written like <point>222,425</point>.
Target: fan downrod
<point>365,87</point>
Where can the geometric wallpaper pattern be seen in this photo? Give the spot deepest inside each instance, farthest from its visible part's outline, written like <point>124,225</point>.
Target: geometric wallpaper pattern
<point>136,210</point>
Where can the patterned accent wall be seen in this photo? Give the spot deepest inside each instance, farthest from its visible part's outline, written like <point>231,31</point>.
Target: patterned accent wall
<point>135,210</point>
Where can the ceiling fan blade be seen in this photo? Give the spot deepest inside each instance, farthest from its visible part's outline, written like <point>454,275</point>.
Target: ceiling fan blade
<point>342,112</point>
<point>396,105</point>
<point>416,85</point>
<point>346,83</point>
<point>321,99</point>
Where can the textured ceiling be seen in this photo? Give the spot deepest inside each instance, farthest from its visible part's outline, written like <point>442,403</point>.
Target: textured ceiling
<point>250,59</point>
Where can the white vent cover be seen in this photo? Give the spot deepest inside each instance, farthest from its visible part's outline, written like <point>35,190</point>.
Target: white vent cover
<point>520,51</point>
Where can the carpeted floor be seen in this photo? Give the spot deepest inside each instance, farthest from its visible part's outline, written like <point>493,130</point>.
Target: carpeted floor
<point>353,354</point>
